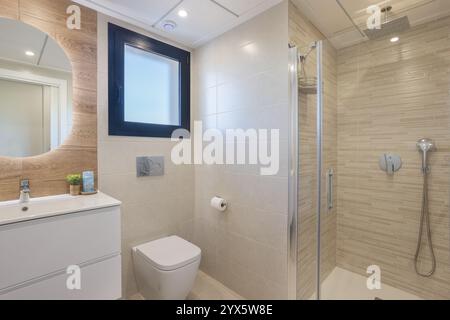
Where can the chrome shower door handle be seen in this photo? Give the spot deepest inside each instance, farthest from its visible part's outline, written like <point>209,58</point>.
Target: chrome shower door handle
<point>330,181</point>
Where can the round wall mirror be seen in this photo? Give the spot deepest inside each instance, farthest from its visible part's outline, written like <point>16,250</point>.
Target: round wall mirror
<point>35,91</point>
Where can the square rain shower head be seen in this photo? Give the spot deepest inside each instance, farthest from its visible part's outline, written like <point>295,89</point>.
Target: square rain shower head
<point>392,27</point>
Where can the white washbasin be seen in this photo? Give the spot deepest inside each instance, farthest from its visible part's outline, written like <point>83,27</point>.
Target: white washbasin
<point>38,208</point>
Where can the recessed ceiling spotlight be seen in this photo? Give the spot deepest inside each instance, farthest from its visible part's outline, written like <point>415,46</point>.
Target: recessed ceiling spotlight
<point>29,53</point>
<point>182,13</point>
<point>395,39</point>
<point>169,25</point>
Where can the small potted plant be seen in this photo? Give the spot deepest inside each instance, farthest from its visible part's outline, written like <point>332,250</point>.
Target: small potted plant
<point>74,181</point>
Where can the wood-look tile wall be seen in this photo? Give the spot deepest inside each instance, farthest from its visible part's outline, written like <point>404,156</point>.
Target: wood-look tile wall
<point>79,152</point>
<point>390,96</point>
<point>303,33</point>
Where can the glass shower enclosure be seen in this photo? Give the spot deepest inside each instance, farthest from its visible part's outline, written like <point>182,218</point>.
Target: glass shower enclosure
<point>369,166</point>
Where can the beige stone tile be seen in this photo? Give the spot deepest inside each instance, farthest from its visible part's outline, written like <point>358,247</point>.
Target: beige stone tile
<point>207,288</point>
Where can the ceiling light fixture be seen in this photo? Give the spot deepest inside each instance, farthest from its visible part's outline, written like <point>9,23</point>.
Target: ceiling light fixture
<point>29,53</point>
<point>182,13</point>
<point>395,39</point>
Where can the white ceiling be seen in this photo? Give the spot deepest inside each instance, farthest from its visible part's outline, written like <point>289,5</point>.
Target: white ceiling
<point>206,20</point>
<point>332,21</point>
<point>17,38</point>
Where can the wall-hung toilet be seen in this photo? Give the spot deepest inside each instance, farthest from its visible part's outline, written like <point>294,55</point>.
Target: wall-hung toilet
<point>166,268</point>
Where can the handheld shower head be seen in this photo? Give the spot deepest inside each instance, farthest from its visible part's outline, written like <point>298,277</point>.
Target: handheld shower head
<point>425,146</point>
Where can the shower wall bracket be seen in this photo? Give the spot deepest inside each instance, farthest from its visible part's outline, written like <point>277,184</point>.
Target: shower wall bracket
<point>390,163</point>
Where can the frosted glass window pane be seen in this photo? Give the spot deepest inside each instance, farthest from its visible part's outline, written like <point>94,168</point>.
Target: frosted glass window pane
<point>151,88</point>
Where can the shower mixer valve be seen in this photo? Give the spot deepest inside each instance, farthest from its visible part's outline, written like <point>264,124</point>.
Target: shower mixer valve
<point>390,163</point>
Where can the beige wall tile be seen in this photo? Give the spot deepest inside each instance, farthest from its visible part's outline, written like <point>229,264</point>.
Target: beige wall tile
<point>390,96</point>
<point>245,70</point>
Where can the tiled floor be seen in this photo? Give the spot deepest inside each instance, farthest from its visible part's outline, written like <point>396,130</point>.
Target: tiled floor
<point>206,288</point>
<point>340,285</point>
<point>345,285</point>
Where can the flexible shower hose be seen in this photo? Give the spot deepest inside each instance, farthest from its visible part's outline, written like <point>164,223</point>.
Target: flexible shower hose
<point>425,220</point>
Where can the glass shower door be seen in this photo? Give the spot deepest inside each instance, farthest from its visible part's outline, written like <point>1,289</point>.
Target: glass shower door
<point>309,182</point>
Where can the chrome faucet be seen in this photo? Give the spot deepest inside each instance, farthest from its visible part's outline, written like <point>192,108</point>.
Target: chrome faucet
<point>25,191</point>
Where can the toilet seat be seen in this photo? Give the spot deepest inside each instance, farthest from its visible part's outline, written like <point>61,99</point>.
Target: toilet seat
<point>169,254</point>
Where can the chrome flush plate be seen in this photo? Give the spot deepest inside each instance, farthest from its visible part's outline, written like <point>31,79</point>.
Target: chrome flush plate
<point>149,166</point>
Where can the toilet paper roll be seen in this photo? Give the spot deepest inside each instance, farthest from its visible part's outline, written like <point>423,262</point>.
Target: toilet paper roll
<point>219,204</point>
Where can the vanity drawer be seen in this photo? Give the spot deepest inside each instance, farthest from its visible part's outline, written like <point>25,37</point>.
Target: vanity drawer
<point>99,281</point>
<point>34,249</point>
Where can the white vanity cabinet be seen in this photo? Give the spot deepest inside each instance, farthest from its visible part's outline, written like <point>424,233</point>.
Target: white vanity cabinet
<point>47,243</point>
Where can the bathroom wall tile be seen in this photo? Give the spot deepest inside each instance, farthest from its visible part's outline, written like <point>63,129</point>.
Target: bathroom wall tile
<point>275,117</point>
<point>209,181</point>
<point>206,213</point>
<point>208,122</point>
<point>251,93</point>
<point>102,99</point>
<point>272,194</point>
<point>206,66</point>
<point>240,94</point>
<point>260,46</point>
<point>207,104</point>
<point>141,221</point>
<point>205,237</point>
<point>244,280</point>
<point>129,285</point>
<point>268,229</point>
<point>102,50</point>
<point>185,230</point>
<point>241,268</point>
<point>256,91</point>
<point>273,88</point>
<point>102,120</point>
<point>237,220</point>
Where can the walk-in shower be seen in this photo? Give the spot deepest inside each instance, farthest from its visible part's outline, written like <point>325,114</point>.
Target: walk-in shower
<point>386,233</point>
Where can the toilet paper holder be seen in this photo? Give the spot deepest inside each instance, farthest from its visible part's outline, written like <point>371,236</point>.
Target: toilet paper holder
<point>219,204</point>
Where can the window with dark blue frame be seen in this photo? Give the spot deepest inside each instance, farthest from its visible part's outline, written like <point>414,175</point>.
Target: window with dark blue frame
<point>149,86</point>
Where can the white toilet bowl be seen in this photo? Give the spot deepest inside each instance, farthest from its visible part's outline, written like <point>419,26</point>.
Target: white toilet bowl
<point>166,269</point>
